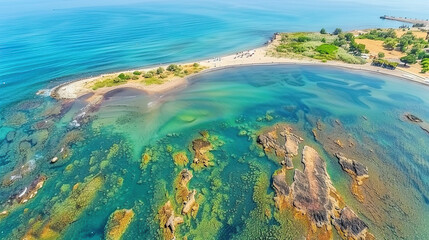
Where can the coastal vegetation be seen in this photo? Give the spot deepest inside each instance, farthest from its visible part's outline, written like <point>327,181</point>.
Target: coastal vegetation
<point>155,76</point>
<point>325,47</point>
<point>407,43</point>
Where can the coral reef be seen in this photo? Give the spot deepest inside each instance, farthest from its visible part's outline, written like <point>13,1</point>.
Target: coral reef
<point>180,158</point>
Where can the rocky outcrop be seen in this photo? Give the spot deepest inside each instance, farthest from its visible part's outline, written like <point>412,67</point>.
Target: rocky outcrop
<point>311,189</point>
<point>201,147</point>
<point>282,190</point>
<point>354,168</point>
<point>350,226</point>
<point>10,136</point>
<point>118,224</point>
<point>184,196</point>
<point>282,142</point>
<point>168,220</point>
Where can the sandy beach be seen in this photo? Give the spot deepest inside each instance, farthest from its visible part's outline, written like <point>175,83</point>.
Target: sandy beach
<point>258,56</point>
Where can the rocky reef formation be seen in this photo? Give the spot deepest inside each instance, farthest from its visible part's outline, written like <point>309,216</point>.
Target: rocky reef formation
<point>28,192</point>
<point>282,189</point>
<point>168,221</point>
<point>184,196</point>
<point>356,169</point>
<point>311,189</point>
<point>350,226</point>
<point>118,223</point>
<point>282,142</point>
<point>202,148</point>
<point>64,213</point>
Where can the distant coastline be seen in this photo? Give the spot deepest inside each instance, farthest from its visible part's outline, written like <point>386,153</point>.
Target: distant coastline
<point>259,56</point>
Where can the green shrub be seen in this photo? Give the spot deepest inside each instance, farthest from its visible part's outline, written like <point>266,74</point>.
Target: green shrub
<point>322,31</point>
<point>303,39</point>
<point>148,75</point>
<point>173,68</point>
<point>196,65</point>
<point>137,73</point>
<point>135,77</point>
<point>160,70</point>
<point>124,76</point>
<point>381,55</point>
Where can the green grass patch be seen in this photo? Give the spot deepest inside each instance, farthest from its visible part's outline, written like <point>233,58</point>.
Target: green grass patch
<point>152,80</point>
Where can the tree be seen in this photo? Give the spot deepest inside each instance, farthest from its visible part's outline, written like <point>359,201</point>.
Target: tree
<point>390,43</point>
<point>337,31</point>
<point>409,59</point>
<point>349,36</point>
<point>322,31</point>
<point>381,55</point>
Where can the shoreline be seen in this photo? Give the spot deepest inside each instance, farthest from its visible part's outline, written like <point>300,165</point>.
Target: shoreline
<point>258,56</point>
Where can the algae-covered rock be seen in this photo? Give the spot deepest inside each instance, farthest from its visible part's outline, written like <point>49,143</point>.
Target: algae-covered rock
<point>168,221</point>
<point>118,223</point>
<point>202,148</point>
<point>180,159</point>
<point>146,158</point>
<point>66,212</point>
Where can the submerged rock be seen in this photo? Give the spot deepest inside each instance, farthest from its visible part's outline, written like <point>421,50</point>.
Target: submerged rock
<point>350,226</point>
<point>354,168</point>
<point>64,213</point>
<point>10,136</point>
<point>311,189</point>
<point>28,192</point>
<point>118,223</point>
<point>19,172</point>
<point>168,221</point>
<point>413,118</point>
<point>282,142</point>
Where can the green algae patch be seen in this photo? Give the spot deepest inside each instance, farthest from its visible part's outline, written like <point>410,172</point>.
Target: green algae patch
<point>146,158</point>
<point>180,158</point>
<point>66,212</point>
<point>113,151</point>
<point>118,224</point>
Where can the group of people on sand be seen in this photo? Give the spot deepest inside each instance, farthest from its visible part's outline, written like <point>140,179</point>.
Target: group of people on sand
<point>215,60</point>
<point>245,54</point>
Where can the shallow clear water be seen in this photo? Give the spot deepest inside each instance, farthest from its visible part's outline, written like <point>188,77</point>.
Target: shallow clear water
<point>369,107</point>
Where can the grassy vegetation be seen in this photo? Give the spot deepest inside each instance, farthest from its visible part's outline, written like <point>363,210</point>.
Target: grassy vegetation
<point>158,76</point>
<point>425,65</point>
<point>320,46</point>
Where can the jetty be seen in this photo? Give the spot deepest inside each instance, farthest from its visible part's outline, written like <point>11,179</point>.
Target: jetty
<point>418,22</point>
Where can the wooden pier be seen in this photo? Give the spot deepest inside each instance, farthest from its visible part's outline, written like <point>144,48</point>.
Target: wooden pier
<point>424,23</point>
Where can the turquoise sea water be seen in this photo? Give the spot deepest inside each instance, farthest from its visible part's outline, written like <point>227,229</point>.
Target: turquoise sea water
<point>52,42</point>
<point>369,108</point>
<point>43,46</point>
